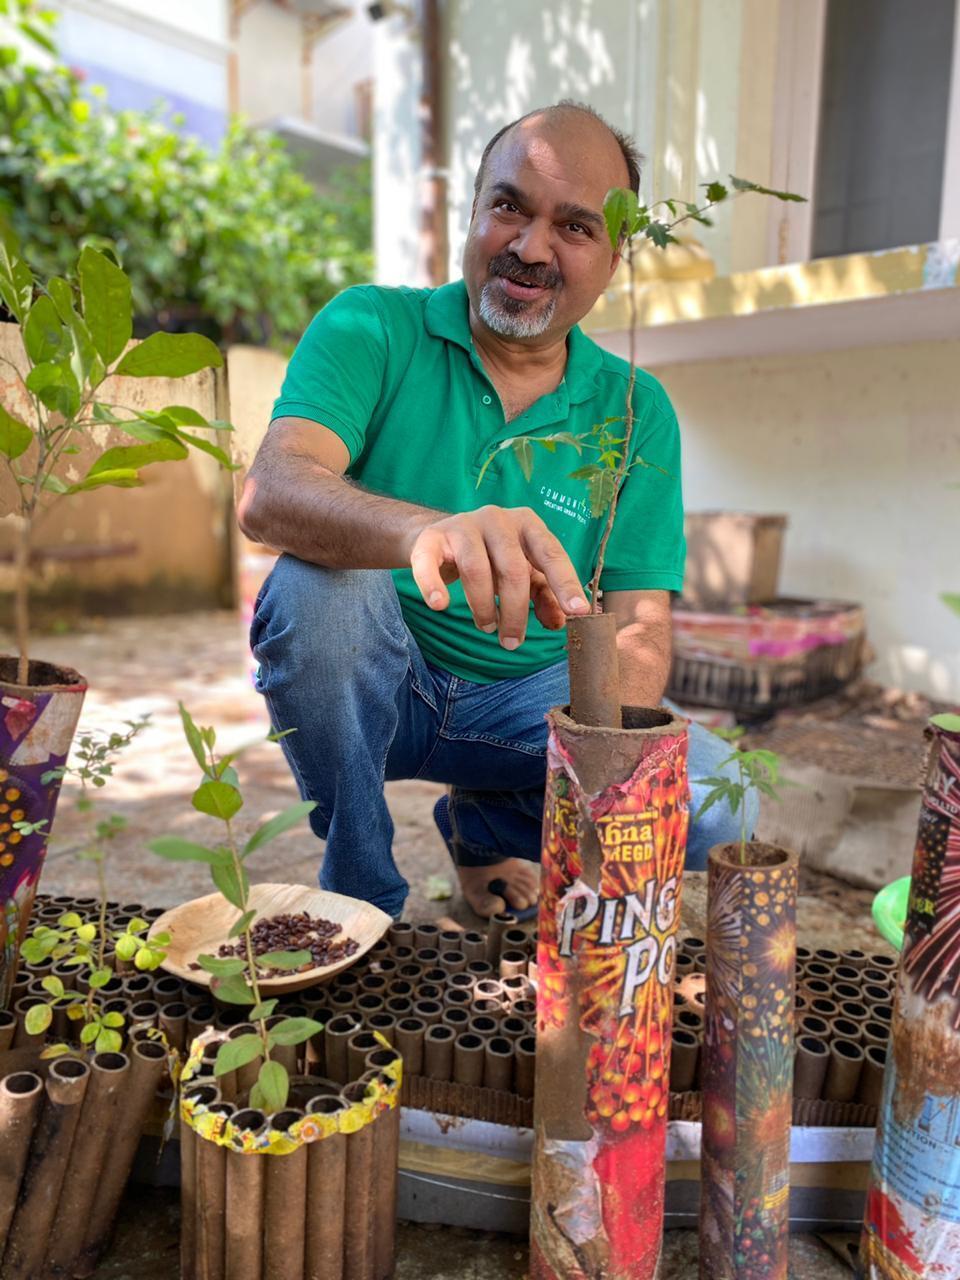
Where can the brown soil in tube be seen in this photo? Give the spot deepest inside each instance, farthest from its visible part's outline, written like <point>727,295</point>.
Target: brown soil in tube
<point>438,1053</point>
<point>41,675</point>
<point>843,1072</point>
<point>8,1025</point>
<point>335,1037</point>
<point>211,1203</point>
<point>871,1078</point>
<point>21,1095</point>
<point>410,1034</point>
<point>147,1065</point>
<point>188,1185</point>
<point>594,670</point>
<point>498,1064</point>
<point>284,1208</point>
<point>243,1227</point>
<point>97,1130</point>
<point>428,1011</point>
<point>468,1052</point>
<point>498,925</point>
<point>360,1221</point>
<point>513,964</point>
<point>526,1065</point>
<point>684,1052</point>
<point>326,1187</point>
<point>810,1067</point>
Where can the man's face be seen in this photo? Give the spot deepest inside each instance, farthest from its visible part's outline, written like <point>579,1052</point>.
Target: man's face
<point>537,255</point>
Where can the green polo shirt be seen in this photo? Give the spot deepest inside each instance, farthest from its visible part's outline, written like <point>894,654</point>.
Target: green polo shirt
<point>394,373</point>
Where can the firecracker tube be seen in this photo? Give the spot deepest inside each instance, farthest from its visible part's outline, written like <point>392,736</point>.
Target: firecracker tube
<point>615,826</point>
<point>912,1222</point>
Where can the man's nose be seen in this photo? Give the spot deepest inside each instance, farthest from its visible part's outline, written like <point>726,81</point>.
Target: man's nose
<point>534,242</point>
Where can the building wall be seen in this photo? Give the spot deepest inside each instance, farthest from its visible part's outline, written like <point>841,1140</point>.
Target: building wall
<point>859,448</point>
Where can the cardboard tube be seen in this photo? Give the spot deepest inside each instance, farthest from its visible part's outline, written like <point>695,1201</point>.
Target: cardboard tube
<point>138,986</point>
<point>872,994</point>
<point>358,1046</point>
<point>386,1143</point>
<point>8,1026</point>
<point>827,955</point>
<point>841,991</point>
<point>428,1011</point>
<point>383,1024</point>
<point>410,1034</point>
<point>167,990</point>
<point>482,1024</point>
<point>474,946</point>
<point>326,1188</point>
<point>399,1007</point>
<point>824,1007</point>
<point>811,1024</point>
<point>148,1061</point>
<point>843,1073</point>
<point>453,961</point>
<point>690,1020</point>
<point>512,1027</point>
<point>243,1222</point>
<point>513,964</point>
<point>335,1037</point>
<point>98,1128</point>
<point>21,1094</point>
<point>468,1052</point>
<point>211,1202</point>
<point>877,977</point>
<point>684,1052</point>
<point>870,1089</point>
<point>173,1023</point>
<point>846,973</point>
<point>810,1067</point>
<point>425,935</point>
<point>499,923</point>
<point>206,1094</point>
<point>526,1065</point>
<point>400,933</point>
<point>450,940</point>
<point>438,1052</point>
<point>457,1019</point>
<point>428,990</point>
<point>367,1003</point>
<point>525,1009</point>
<point>401,987</point>
<point>846,1029</point>
<point>517,987</point>
<point>594,671</point>
<point>480,969</point>
<point>457,998</point>
<point>359,1244</point>
<point>498,1064</point>
<point>342,1001</point>
<point>200,1017</point>
<point>855,1010</point>
<point>855,958</point>
<point>874,1032</point>
<point>194,994</point>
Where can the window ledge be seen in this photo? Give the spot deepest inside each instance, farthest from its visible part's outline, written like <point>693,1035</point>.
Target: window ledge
<point>910,294</point>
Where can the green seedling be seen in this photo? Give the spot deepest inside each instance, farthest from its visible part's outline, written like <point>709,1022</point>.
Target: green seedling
<point>757,770</point>
<point>236,979</point>
<point>607,444</point>
<point>81,944</point>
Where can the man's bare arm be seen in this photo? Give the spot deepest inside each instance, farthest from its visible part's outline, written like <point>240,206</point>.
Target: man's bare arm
<point>644,644</point>
<point>297,499</point>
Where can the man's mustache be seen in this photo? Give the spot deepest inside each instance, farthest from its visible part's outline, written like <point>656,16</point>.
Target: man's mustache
<point>535,273</point>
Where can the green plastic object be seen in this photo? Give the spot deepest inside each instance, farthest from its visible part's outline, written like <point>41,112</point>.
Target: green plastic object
<point>890,911</point>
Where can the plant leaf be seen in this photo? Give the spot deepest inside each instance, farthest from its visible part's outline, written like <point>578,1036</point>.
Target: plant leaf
<point>16,279</point>
<point>234,888</point>
<point>263,1010</point>
<point>242,922</point>
<point>106,301</point>
<point>120,478</point>
<point>284,960</point>
<point>949,599</point>
<point>170,355</point>
<point>176,850</point>
<point>294,1030</point>
<point>56,386</point>
<point>233,990</point>
<point>237,1053</point>
<point>108,1042</point>
<point>743,184</point>
<point>39,1017</point>
<point>273,1086</point>
<point>15,436</point>
<point>948,721</point>
<point>218,799</point>
<point>278,825</point>
<point>194,740</point>
<point>42,331</point>
<point>52,984</point>
<point>523,452</point>
<point>134,456</point>
<point>214,450</point>
<point>221,966</point>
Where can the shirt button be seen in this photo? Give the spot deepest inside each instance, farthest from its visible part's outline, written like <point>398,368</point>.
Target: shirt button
<point>487,400</point>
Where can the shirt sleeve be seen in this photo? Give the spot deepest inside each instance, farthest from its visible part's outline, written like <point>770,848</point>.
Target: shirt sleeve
<point>335,375</point>
<point>647,550</point>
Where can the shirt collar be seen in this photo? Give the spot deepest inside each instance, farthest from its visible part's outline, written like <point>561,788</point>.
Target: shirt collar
<point>447,316</point>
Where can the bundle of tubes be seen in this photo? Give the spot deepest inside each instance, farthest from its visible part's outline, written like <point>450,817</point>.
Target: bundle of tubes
<point>306,1193</point>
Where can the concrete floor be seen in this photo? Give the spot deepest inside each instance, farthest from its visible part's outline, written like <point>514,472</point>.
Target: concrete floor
<point>139,666</point>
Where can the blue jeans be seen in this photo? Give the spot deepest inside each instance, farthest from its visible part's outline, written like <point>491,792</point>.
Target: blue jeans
<point>338,665</point>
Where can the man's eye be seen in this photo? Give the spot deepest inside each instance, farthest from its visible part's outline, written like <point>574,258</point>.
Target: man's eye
<point>578,227</point>
<point>506,206</point>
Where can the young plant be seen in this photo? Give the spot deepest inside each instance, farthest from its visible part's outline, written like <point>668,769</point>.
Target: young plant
<point>607,444</point>
<point>75,333</point>
<point>236,979</point>
<point>757,770</point>
<point>83,944</point>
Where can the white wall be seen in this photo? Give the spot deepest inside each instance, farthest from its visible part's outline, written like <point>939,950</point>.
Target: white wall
<point>340,62</point>
<point>859,448</point>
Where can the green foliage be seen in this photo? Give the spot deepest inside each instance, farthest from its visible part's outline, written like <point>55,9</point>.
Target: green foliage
<point>233,237</point>
<point>236,979</point>
<point>947,721</point>
<point>757,770</point>
<point>952,601</point>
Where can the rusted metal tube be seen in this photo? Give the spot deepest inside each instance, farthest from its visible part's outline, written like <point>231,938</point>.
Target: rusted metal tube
<point>243,1224</point>
<point>21,1094</point>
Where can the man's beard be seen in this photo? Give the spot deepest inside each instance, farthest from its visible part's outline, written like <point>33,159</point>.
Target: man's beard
<point>514,317</point>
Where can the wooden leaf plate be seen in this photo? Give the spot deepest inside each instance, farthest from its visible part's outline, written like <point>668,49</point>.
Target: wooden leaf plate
<point>200,927</point>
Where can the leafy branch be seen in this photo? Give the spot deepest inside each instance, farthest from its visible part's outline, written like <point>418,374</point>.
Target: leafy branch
<point>236,979</point>
<point>757,770</point>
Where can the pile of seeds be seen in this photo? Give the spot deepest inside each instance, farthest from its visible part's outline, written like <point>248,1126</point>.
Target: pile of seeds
<point>296,933</point>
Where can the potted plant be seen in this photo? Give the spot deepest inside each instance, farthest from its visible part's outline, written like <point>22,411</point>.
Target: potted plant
<point>62,394</point>
<point>330,1200</point>
<point>748,1048</point>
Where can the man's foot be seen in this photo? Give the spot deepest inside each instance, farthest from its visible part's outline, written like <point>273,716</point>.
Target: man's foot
<point>517,879</point>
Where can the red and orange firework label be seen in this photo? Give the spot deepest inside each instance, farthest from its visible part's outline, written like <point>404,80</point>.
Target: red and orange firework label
<point>606,960</point>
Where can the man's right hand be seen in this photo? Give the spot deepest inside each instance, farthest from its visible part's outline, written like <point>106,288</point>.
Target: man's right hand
<point>505,552</point>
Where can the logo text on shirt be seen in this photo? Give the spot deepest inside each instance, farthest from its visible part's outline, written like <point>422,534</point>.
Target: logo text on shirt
<point>562,502</point>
